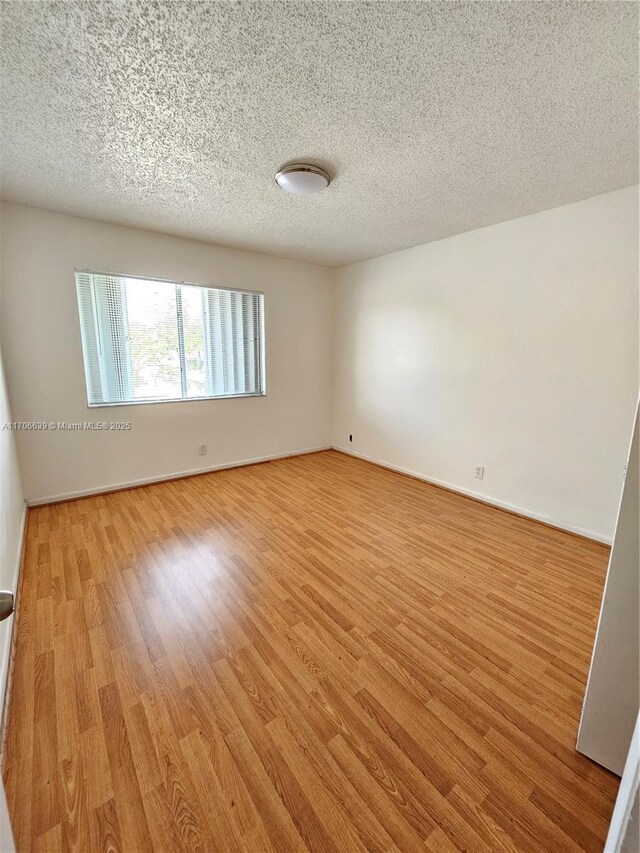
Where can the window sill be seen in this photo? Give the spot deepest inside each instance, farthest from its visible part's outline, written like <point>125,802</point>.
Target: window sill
<point>174,400</point>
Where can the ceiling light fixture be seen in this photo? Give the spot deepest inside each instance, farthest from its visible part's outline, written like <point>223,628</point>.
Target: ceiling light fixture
<point>302,178</point>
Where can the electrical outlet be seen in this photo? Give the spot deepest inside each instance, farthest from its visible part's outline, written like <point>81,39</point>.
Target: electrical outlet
<point>479,472</point>
<point>202,450</point>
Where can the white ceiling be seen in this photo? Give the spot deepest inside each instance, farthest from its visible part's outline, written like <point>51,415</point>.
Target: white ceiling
<point>435,118</point>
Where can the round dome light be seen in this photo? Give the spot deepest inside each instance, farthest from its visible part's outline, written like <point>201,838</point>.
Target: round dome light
<point>302,178</point>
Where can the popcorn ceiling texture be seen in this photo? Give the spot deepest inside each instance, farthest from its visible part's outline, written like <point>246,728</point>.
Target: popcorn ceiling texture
<point>435,118</point>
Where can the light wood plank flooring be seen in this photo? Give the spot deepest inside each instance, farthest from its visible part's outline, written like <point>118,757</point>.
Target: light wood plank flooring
<point>309,654</point>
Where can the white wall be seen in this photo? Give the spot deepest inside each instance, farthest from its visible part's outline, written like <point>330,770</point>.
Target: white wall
<point>44,358</point>
<point>12,516</point>
<point>612,697</point>
<point>514,347</point>
<point>624,829</point>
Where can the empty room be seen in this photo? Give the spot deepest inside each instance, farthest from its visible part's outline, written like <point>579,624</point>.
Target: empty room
<point>319,496</point>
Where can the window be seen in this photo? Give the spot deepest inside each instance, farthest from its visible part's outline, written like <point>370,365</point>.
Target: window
<point>146,340</point>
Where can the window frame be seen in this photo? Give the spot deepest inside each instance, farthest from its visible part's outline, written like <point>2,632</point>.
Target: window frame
<point>156,400</point>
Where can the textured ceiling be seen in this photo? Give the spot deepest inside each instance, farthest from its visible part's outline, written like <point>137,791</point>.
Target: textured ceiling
<point>435,118</point>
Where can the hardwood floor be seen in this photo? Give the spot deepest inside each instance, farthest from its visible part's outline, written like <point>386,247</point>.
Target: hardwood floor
<point>309,654</point>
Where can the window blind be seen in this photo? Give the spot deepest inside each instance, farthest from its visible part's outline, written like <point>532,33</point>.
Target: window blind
<point>145,340</point>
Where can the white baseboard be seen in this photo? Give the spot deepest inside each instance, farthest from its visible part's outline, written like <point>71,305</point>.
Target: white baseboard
<point>175,475</point>
<point>517,510</point>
